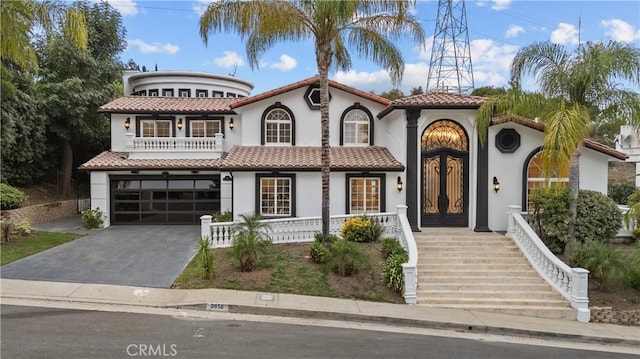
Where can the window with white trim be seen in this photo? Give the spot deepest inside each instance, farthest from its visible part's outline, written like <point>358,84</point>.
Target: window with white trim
<point>156,128</point>
<point>364,195</point>
<point>356,127</point>
<point>204,128</point>
<point>275,196</point>
<point>277,127</point>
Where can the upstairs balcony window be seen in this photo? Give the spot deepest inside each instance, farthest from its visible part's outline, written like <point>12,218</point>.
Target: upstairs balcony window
<point>356,127</point>
<point>204,128</point>
<point>156,128</point>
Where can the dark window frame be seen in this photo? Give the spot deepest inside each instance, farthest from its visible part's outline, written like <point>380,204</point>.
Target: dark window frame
<point>180,91</point>
<point>167,92</point>
<point>217,93</point>
<point>139,119</point>
<point>357,106</point>
<point>383,189</point>
<point>263,126</point>
<point>200,91</point>
<point>154,92</point>
<point>188,121</point>
<point>292,198</point>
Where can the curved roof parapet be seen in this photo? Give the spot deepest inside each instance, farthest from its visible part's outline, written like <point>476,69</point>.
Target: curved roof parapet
<point>133,78</point>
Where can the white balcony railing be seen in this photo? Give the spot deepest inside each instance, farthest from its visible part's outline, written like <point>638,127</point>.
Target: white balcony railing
<point>571,283</point>
<point>300,230</point>
<point>173,144</point>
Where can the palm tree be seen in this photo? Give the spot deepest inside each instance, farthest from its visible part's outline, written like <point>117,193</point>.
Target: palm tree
<point>368,26</point>
<point>576,89</point>
<point>21,18</point>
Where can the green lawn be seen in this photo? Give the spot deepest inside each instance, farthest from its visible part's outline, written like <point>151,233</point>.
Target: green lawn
<point>38,242</point>
<point>287,269</point>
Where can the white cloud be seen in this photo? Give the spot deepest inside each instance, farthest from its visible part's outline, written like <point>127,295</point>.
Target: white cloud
<point>514,30</point>
<point>153,48</point>
<point>500,4</point>
<point>229,59</point>
<point>565,34</point>
<point>620,30</point>
<point>286,63</point>
<point>200,6</point>
<point>491,62</point>
<point>424,52</point>
<point>124,7</point>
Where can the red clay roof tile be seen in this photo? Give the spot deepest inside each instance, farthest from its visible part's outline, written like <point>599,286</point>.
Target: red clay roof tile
<point>153,104</point>
<point>109,160</point>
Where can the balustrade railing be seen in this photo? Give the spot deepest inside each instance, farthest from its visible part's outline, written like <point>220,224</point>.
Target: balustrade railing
<point>186,144</point>
<point>571,283</point>
<point>300,230</point>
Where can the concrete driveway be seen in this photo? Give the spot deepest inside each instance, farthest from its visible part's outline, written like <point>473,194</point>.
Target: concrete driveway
<point>150,256</point>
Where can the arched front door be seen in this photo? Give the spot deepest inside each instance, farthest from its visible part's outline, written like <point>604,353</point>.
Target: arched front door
<point>445,158</point>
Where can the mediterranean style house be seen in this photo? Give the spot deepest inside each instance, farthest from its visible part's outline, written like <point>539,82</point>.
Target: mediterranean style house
<point>186,144</point>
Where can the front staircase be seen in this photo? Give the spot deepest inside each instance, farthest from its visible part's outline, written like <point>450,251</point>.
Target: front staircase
<point>458,268</point>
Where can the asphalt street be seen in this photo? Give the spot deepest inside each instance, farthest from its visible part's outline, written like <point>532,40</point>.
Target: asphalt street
<point>29,332</point>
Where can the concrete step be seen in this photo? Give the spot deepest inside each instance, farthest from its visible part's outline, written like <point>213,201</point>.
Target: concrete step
<point>531,311</point>
<point>471,261</point>
<point>503,294</point>
<point>542,303</point>
<point>483,286</point>
<point>423,278</point>
<point>480,273</point>
<point>479,266</point>
<point>468,254</point>
<point>467,248</point>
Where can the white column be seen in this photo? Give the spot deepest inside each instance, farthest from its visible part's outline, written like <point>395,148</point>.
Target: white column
<point>579,294</point>
<point>511,223</point>
<point>205,226</point>
<point>129,143</point>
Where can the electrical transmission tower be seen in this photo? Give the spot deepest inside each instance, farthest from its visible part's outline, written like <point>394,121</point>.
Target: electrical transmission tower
<point>450,68</point>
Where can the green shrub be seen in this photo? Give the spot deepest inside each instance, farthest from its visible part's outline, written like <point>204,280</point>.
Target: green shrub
<point>92,218</point>
<point>346,258</point>
<point>598,217</point>
<point>331,238</point>
<point>392,271</point>
<point>206,258</point>
<point>11,197</point>
<point>226,216</point>
<point>620,191</point>
<point>391,246</point>
<point>23,228</point>
<point>361,229</point>
<point>318,252</point>
<point>603,261</point>
<point>632,278</point>
<point>250,241</point>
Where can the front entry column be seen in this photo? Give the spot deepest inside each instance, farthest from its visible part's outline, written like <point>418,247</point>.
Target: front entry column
<point>412,171</point>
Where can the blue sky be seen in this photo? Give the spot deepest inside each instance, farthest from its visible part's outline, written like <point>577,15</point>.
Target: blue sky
<point>166,33</point>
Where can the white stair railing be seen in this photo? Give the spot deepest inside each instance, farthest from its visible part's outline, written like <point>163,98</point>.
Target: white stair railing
<point>571,283</point>
<point>300,230</point>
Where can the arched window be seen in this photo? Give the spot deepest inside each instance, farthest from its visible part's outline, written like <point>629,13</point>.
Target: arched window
<point>536,177</point>
<point>357,127</point>
<point>278,126</point>
<point>444,134</point>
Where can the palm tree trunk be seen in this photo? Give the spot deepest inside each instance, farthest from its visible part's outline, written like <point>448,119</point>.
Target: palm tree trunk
<point>323,54</point>
<point>574,188</point>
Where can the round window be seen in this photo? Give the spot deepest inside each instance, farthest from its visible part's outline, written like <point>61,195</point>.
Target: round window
<point>507,140</point>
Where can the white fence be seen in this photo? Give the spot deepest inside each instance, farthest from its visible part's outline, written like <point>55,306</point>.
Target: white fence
<point>571,283</point>
<point>300,230</point>
<point>187,144</point>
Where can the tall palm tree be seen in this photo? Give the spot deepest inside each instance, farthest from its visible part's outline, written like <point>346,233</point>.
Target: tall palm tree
<point>20,19</point>
<point>576,89</point>
<point>368,26</point>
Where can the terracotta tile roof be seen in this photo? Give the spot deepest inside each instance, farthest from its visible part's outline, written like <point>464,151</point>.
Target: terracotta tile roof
<point>308,158</point>
<point>108,160</point>
<point>308,82</point>
<point>591,144</point>
<point>435,100</point>
<point>157,104</point>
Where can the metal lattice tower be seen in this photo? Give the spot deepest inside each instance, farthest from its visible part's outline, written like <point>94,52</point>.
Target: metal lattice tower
<point>450,68</point>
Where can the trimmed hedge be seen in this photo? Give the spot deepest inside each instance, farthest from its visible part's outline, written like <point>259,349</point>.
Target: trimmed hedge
<point>11,197</point>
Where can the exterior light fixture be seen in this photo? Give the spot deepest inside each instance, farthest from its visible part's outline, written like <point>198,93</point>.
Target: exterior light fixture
<point>399,184</point>
<point>496,184</point>
<point>231,125</point>
<point>127,123</point>
<point>180,124</point>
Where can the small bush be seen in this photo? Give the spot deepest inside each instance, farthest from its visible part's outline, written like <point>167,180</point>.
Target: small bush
<point>391,246</point>
<point>206,258</point>
<point>346,258</point>
<point>602,260</point>
<point>11,197</point>
<point>598,217</point>
<point>226,216</point>
<point>250,241</point>
<point>92,218</point>
<point>361,229</point>
<point>620,191</point>
<point>318,252</point>
<point>632,278</point>
<point>331,238</point>
<point>392,271</point>
<point>23,228</point>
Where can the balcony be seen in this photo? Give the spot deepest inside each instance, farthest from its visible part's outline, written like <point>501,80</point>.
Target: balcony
<point>174,147</point>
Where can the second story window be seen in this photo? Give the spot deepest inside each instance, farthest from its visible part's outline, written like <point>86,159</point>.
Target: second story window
<point>202,93</point>
<point>278,126</point>
<point>184,92</point>
<point>204,128</point>
<point>155,128</point>
<point>153,92</point>
<point>167,92</point>
<point>356,127</point>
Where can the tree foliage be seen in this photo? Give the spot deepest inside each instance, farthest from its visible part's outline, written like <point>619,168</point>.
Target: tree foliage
<point>392,94</point>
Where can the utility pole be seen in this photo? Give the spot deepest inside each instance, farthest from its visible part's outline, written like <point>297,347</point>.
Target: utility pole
<point>450,68</point>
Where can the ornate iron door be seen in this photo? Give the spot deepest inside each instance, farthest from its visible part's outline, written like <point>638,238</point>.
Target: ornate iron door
<point>444,184</point>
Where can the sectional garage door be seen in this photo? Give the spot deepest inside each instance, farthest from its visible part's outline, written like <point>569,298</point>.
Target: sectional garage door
<point>163,199</point>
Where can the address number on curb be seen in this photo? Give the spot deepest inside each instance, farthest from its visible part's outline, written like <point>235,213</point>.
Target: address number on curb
<point>218,307</point>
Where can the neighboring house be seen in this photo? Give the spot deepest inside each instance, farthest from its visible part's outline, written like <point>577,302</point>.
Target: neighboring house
<point>184,144</point>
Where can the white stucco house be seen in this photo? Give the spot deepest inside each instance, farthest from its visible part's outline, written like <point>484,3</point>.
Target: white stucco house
<point>185,144</point>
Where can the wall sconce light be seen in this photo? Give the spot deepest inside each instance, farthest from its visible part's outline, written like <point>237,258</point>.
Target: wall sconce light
<point>127,123</point>
<point>231,125</point>
<point>399,184</point>
<point>227,178</point>
<point>496,184</point>
<point>180,124</point>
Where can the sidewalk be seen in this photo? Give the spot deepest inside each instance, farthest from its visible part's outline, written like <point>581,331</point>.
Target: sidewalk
<point>324,308</point>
